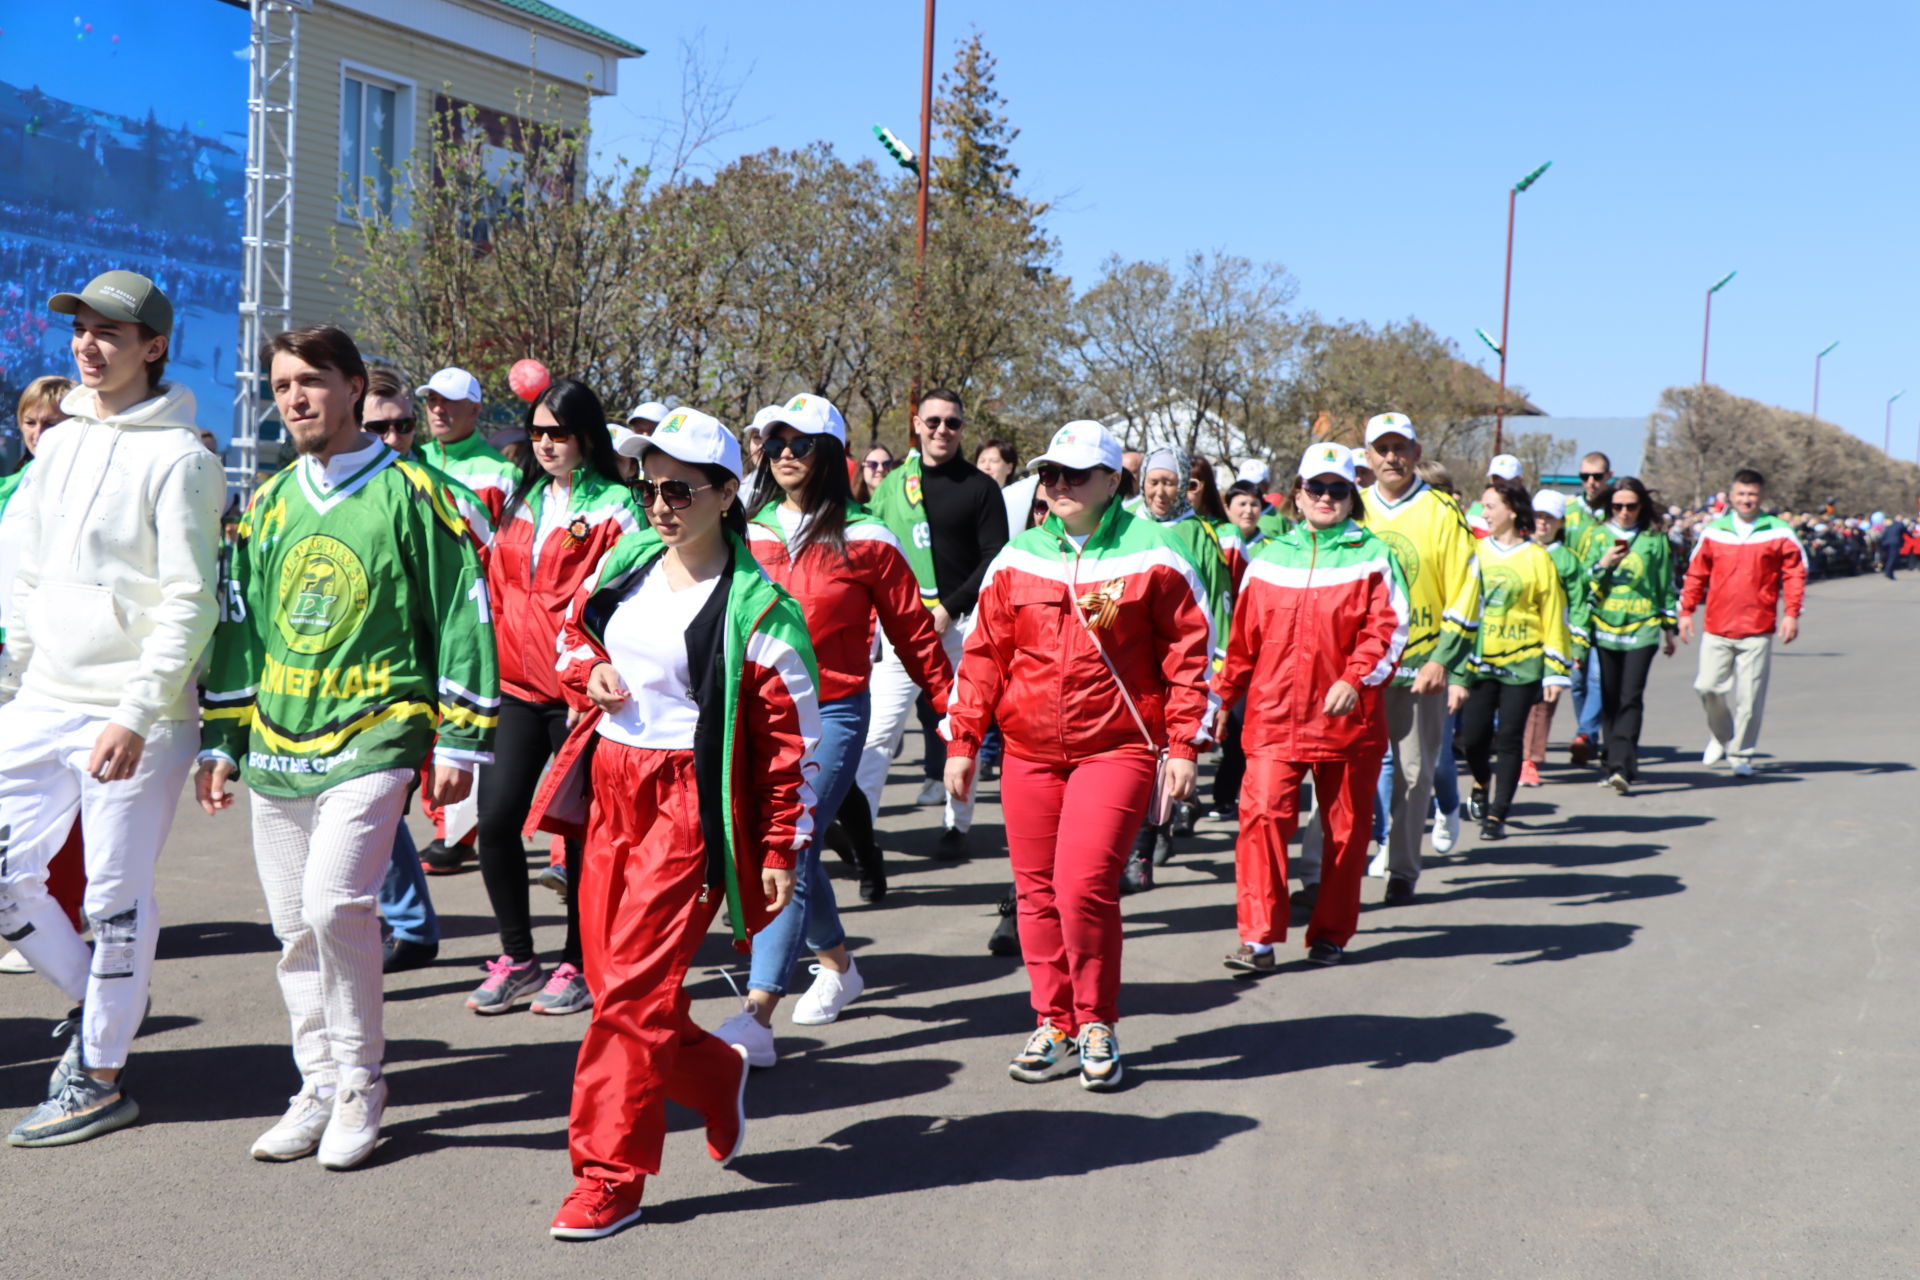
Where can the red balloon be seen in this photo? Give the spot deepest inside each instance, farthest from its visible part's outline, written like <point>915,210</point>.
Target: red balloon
<point>529,378</point>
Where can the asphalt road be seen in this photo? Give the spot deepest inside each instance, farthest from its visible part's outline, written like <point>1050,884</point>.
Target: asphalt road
<point>1670,1035</point>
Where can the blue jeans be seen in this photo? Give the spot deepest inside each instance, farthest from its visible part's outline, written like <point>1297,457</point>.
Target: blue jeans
<point>1586,695</point>
<point>404,903</point>
<point>1383,796</point>
<point>1446,771</point>
<point>812,919</point>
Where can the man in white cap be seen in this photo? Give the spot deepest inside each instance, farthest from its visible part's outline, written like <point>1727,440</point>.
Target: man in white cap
<point>452,397</point>
<point>1437,553</point>
<point>645,416</point>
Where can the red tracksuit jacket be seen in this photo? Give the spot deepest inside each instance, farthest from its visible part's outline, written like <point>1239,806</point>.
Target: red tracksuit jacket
<point>1742,578</point>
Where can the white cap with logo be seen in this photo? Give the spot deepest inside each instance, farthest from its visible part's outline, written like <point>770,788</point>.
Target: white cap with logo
<point>806,413</point>
<point>648,411</point>
<point>1079,445</point>
<point>1253,471</point>
<point>690,436</point>
<point>453,384</point>
<point>1327,459</point>
<point>1551,502</point>
<point>1503,467</point>
<point>1390,424</point>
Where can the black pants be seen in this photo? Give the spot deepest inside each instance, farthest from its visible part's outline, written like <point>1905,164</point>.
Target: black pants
<point>1492,731</point>
<point>529,734</point>
<point>935,763</point>
<point>1623,689</point>
<point>1233,760</point>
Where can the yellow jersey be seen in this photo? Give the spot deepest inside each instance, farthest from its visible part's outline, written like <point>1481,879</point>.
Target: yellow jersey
<point>1438,555</point>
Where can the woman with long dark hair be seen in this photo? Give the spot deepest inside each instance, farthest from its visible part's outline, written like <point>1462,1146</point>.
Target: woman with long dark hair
<point>568,509</point>
<point>1630,564</point>
<point>844,567</point>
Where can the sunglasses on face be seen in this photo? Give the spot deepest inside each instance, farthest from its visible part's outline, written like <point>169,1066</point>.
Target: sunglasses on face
<point>935,424</point>
<point>1626,506</point>
<point>678,494</point>
<point>1337,490</point>
<point>389,426</point>
<point>799,446</point>
<point>880,466</point>
<point>1052,475</point>
<point>559,435</point>
<point>1593,477</point>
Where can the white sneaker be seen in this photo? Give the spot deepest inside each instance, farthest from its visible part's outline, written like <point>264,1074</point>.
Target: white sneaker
<point>830,993</point>
<point>744,1032</point>
<point>1716,752</point>
<point>1743,768</point>
<point>298,1132</point>
<point>1446,831</point>
<point>932,791</point>
<point>355,1125</point>
<point>14,962</point>
<point>1378,867</point>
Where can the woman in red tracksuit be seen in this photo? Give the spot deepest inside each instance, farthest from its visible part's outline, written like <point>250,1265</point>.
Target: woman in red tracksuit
<point>699,680</point>
<point>1320,623</point>
<point>1082,730</point>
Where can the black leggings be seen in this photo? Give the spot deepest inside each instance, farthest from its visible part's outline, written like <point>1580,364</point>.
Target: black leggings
<point>1495,716</point>
<point>529,734</point>
<point>1623,688</point>
<point>1233,759</point>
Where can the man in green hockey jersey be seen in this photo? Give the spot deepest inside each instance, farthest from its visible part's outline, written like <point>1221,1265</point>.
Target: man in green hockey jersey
<point>354,627</point>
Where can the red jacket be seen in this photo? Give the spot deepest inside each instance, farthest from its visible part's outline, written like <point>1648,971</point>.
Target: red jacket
<point>841,595</point>
<point>529,599</point>
<point>1030,661</point>
<point>1742,577</point>
<point>1314,609</point>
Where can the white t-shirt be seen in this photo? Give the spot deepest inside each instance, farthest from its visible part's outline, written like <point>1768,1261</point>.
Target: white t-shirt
<point>553,514</point>
<point>791,522</point>
<point>646,640</point>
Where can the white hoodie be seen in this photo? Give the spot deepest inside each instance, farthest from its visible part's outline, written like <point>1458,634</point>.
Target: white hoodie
<point>118,534</point>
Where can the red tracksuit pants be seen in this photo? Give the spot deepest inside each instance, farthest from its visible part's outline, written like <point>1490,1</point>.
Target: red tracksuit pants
<point>1269,816</point>
<point>1069,830</point>
<point>642,874</point>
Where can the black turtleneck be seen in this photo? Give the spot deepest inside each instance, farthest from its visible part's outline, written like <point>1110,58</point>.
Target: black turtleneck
<point>967,522</point>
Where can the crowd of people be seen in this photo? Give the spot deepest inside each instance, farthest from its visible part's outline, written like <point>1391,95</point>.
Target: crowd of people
<point>685,657</point>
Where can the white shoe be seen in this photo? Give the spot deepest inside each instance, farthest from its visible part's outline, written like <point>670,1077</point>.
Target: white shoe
<point>744,1032</point>
<point>14,962</point>
<point>932,791</point>
<point>1378,866</point>
<point>298,1132</point>
<point>1716,752</point>
<point>1743,768</point>
<point>830,993</point>
<point>1446,832</point>
<point>355,1126</point>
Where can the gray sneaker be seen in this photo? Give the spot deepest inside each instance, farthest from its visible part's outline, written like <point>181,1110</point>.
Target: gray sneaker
<point>82,1108</point>
<point>565,992</point>
<point>1099,1056</point>
<point>506,983</point>
<point>69,1064</point>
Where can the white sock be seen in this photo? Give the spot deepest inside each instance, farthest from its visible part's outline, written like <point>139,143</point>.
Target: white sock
<point>1261,948</point>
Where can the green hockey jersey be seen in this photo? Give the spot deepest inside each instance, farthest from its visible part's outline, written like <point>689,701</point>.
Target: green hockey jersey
<point>354,627</point>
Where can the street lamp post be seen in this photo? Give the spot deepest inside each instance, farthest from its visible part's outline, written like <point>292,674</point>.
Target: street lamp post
<point>1706,330</point>
<point>1886,446</point>
<point>1816,374</point>
<point>1506,303</point>
<point>920,210</point>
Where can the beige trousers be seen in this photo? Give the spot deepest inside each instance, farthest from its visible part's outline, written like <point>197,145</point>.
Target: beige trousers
<point>1732,685</point>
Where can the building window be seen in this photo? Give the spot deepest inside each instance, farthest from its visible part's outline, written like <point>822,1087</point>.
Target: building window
<point>375,114</point>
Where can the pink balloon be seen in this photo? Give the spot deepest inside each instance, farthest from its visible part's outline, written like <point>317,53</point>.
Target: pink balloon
<point>89,28</point>
<point>528,378</point>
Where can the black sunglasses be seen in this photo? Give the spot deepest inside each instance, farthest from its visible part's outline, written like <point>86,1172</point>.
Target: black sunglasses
<point>1626,506</point>
<point>1052,475</point>
<point>381,426</point>
<point>1595,476</point>
<point>678,493</point>
<point>952,424</point>
<point>798,446</point>
<point>1338,490</point>
<point>882,465</point>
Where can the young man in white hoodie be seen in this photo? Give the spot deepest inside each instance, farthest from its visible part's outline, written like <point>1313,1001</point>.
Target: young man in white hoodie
<point>118,529</point>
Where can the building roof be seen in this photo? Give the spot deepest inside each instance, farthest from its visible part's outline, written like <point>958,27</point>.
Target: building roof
<point>561,18</point>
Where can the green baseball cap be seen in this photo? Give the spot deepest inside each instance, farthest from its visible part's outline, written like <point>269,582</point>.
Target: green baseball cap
<point>120,295</point>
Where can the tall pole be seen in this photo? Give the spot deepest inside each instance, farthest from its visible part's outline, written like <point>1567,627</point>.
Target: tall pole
<point>1506,306</point>
<point>920,212</point>
<point>1706,330</point>
<point>1816,375</point>
<point>1886,446</point>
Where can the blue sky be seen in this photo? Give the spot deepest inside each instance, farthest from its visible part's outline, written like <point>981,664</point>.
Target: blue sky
<point>1369,148</point>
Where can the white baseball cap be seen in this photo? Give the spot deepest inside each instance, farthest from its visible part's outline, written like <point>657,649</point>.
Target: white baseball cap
<point>1081,444</point>
<point>1390,424</point>
<point>806,413</point>
<point>1328,459</point>
<point>1551,502</point>
<point>1253,471</point>
<point>689,436</point>
<point>1503,467</point>
<point>454,384</point>
<point>648,410</point>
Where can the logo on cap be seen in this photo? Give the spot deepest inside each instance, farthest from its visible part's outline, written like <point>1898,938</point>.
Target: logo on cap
<point>799,402</point>
<point>1066,435</point>
<point>118,294</point>
<point>673,423</point>
<point>1330,453</point>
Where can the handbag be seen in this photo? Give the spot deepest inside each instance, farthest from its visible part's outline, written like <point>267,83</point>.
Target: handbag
<point>1159,803</point>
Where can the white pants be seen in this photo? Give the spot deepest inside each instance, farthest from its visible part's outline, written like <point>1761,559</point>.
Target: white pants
<point>44,748</point>
<point>321,860</point>
<point>1732,685</point>
<point>894,693</point>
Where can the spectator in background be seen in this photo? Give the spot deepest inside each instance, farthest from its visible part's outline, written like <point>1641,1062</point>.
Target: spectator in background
<point>874,466</point>
<point>388,410</point>
<point>452,397</point>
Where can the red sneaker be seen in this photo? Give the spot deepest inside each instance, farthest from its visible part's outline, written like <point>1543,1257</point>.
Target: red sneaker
<point>1580,750</point>
<point>727,1127</point>
<point>596,1208</point>
<point>1529,774</point>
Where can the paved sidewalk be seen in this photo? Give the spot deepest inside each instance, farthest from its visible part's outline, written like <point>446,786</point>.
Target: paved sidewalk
<point>1671,1035</point>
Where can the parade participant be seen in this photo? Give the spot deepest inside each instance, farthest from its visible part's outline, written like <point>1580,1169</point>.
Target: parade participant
<point>688,776</point>
<point>1522,647</point>
<point>355,625</point>
<point>874,468</point>
<point>1436,550</point>
<point>117,538</point>
<point>1549,511</point>
<point>568,508</point>
<point>1630,567</point>
<point>950,521</point>
<point>1092,649</point>
<point>645,416</point>
<point>452,397</point>
<point>1504,466</point>
<point>1587,513</point>
<point>1743,564</point>
<point>843,568</point>
<point>1317,631</point>
<point>1244,505</point>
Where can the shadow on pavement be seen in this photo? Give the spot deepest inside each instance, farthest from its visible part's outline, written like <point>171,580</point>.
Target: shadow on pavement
<point>1552,854</point>
<point>216,938</point>
<point>1525,943</point>
<point>1574,889</point>
<point>1252,1050</point>
<point>1631,824</point>
<point>903,1154</point>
